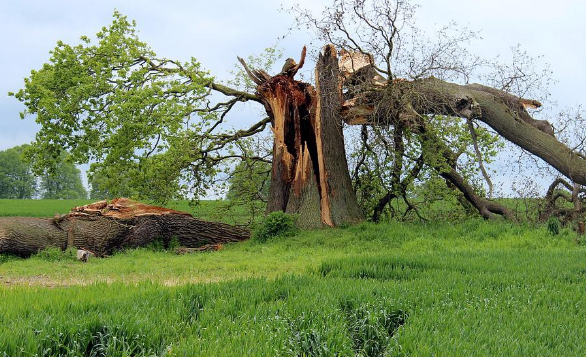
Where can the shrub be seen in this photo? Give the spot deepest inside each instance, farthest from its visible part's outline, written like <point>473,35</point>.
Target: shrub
<point>276,224</point>
<point>54,254</point>
<point>553,226</point>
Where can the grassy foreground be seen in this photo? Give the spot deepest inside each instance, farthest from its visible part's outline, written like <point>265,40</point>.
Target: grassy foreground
<point>472,289</point>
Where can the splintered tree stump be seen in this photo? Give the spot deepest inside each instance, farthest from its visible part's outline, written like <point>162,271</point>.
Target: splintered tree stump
<point>310,172</point>
<point>103,228</point>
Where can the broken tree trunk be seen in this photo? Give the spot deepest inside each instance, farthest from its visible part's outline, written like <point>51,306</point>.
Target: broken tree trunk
<point>103,228</point>
<point>310,173</point>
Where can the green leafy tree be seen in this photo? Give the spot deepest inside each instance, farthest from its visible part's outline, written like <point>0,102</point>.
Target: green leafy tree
<point>147,123</point>
<point>107,183</point>
<point>16,177</point>
<point>64,182</point>
<point>97,192</point>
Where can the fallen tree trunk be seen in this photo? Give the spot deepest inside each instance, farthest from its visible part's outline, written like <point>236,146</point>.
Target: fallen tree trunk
<point>103,228</point>
<point>507,116</point>
<point>503,112</point>
<point>371,100</point>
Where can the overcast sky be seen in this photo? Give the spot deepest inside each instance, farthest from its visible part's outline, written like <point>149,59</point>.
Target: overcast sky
<point>215,32</point>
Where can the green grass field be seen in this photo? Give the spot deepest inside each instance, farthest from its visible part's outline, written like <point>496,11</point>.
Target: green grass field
<point>472,288</point>
<point>212,210</point>
<point>37,208</point>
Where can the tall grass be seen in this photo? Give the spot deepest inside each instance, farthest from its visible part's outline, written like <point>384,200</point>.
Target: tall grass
<point>290,316</point>
<point>517,303</point>
<point>475,288</point>
<point>298,254</point>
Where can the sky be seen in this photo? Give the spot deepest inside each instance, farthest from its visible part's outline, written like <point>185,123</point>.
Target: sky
<point>215,32</point>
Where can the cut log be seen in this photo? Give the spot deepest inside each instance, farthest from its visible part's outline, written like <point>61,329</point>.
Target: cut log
<point>103,228</point>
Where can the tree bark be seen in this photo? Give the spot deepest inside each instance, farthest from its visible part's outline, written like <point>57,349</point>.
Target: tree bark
<point>103,228</point>
<point>486,208</point>
<point>338,197</point>
<point>551,196</point>
<point>577,211</point>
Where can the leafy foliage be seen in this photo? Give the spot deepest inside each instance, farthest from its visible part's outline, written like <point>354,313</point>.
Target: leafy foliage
<point>104,187</point>
<point>249,186</point>
<point>146,123</point>
<point>249,181</point>
<point>276,224</point>
<point>16,177</point>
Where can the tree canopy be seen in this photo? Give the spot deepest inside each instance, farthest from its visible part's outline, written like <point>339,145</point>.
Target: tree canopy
<point>18,181</point>
<point>114,103</point>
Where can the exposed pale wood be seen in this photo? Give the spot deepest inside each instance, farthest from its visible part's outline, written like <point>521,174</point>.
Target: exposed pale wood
<point>357,68</point>
<point>351,62</point>
<point>278,102</point>
<point>302,171</point>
